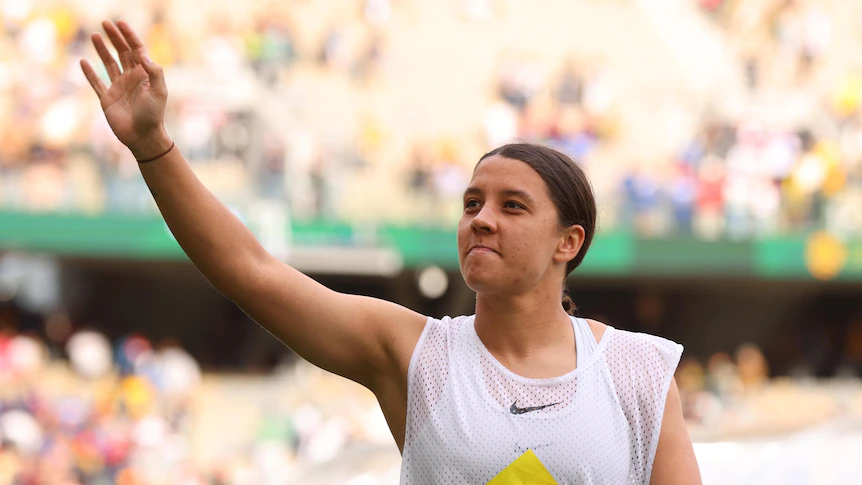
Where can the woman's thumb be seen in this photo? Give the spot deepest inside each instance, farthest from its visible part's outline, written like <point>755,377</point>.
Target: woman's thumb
<point>157,78</point>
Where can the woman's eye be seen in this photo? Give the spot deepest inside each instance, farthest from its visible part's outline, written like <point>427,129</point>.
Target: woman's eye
<point>513,205</point>
<point>470,204</point>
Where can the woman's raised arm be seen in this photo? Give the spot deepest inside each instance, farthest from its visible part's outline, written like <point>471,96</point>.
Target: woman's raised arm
<point>361,338</point>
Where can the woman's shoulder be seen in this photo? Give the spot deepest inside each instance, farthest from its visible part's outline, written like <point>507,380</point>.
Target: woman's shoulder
<point>643,338</point>
<point>598,328</point>
<point>640,348</point>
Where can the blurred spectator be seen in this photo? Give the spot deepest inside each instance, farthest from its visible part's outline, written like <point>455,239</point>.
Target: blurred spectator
<point>378,12</point>
<point>271,48</point>
<point>570,86</point>
<point>752,368</point>
<point>851,364</point>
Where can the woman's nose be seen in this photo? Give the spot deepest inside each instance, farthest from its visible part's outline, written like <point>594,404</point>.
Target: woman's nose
<point>485,220</point>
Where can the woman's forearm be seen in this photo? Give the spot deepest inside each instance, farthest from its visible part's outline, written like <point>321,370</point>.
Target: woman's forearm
<point>216,241</point>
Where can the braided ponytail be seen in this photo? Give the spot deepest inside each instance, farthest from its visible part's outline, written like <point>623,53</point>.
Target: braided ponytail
<point>568,304</point>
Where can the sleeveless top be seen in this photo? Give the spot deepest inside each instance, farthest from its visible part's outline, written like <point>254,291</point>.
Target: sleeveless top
<point>470,420</point>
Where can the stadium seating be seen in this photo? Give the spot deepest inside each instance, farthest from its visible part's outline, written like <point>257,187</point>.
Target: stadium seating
<point>377,113</point>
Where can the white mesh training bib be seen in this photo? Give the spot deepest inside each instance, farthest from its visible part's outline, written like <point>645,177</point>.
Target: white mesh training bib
<point>472,421</point>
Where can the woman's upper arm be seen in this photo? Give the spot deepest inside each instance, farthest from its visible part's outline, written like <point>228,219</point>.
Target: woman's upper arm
<point>675,462</point>
<point>361,338</point>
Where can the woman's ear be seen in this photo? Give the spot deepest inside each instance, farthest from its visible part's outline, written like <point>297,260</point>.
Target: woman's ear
<point>570,243</point>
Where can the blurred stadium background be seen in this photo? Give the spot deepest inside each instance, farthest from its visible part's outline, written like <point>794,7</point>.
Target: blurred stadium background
<point>723,138</point>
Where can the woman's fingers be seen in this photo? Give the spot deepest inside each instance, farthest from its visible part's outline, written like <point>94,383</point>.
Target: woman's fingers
<point>131,51</point>
<point>107,58</point>
<point>98,86</point>
<point>134,42</point>
<point>123,50</point>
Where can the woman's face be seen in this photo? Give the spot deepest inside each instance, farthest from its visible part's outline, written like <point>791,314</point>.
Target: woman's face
<point>509,239</point>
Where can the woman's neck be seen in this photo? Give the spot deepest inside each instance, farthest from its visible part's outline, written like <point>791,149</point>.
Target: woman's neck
<point>520,326</point>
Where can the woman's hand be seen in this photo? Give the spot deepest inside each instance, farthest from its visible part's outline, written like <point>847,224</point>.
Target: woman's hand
<point>134,105</point>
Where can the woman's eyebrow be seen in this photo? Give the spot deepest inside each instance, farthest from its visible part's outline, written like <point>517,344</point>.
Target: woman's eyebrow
<point>504,192</point>
<point>472,191</point>
<point>520,194</point>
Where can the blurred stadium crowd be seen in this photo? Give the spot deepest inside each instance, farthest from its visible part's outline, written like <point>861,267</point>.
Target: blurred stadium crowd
<point>349,113</point>
<point>77,409</point>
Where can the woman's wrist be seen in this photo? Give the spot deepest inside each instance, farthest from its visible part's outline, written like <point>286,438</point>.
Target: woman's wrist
<point>160,155</point>
<point>152,146</point>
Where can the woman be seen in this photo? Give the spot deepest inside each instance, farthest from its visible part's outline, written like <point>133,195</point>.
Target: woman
<point>521,392</point>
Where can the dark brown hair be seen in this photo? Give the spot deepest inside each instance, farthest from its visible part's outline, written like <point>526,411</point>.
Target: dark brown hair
<point>570,191</point>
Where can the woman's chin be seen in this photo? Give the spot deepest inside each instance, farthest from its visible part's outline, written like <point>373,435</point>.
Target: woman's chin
<point>483,283</point>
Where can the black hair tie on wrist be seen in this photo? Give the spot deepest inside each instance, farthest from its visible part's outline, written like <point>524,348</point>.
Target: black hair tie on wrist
<point>158,156</point>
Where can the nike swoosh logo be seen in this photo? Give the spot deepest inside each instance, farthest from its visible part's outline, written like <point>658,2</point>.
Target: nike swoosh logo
<point>514,409</point>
